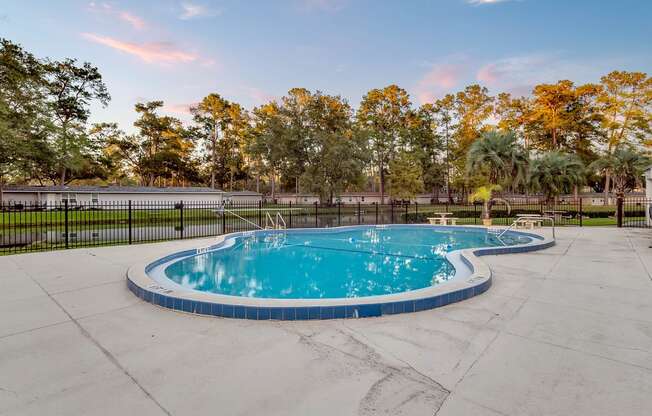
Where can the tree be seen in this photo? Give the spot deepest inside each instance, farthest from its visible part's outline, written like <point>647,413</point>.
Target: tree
<point>23,127</point>
<point>500,157</point>
<point>625,102</point>
<point>335,152</point>
<point>264,145</point>
<point>484,194</point>
<point>211,117</point>
<point>444,116</point>
<point>161,151</point>
<point>71,90</point>
<point>514,115</point>
<point>549,104</point>
<point>382,118</point>
<point>565,117</point>
<point>222,126</point>
<point>405,179</point>
<point>296,134</point>
<point>425,144</point>
<point>624,165</point>
<point>554,173</point>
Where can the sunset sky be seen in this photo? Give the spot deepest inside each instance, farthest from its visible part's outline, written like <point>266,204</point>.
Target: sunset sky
<point>253,51</point>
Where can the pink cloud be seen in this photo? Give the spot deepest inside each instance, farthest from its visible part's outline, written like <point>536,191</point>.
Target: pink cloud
<point>439,79</point>
<point>488,74</point>
<point>259,96</point>
<point>134,21</point>
<point>181,109</point>
<point>154,52</point>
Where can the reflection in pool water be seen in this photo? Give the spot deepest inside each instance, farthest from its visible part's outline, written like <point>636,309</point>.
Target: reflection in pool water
<point>331,263</point>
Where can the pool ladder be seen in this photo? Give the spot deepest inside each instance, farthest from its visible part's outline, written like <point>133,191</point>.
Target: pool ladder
<point>275,223</point>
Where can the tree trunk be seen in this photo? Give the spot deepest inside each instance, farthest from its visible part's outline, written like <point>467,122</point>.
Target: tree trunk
<point>576,193</point>
<point>62,180</point>
<point>258,182</point>
<point>213,155</point>
<point>607,184</point>
<point>273,186</point>
<point>2,195</point>
<point>382,183</point>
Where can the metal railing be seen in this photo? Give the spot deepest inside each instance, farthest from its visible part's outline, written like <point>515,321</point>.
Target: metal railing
<point>31,226</point>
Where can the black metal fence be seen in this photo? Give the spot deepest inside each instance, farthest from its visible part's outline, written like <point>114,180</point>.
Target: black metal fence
<point>38,227</point>
<point>634,212</point>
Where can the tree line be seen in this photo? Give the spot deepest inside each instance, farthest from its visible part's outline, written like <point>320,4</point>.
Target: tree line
<point>560,137</point>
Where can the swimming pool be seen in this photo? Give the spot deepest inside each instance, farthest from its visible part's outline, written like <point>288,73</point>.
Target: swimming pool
<point>349,271</point>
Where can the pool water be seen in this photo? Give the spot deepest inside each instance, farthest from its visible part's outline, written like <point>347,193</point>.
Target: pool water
<point>344,263</point>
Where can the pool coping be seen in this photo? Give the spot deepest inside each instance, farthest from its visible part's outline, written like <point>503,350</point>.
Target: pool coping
<point>451,291</point>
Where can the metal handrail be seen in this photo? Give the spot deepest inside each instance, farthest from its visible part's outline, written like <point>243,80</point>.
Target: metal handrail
<point>279,219</point>
<point>269,219</point>
<point>241,217</point>
<point>542,217</point>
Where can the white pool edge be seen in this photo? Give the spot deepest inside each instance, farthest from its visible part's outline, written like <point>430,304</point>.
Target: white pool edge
<point>460,287</point>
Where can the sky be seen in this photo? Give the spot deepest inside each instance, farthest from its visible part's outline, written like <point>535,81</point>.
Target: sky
<point>252,51</point>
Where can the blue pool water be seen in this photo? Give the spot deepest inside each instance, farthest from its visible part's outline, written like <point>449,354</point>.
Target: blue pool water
<point>345,263</point>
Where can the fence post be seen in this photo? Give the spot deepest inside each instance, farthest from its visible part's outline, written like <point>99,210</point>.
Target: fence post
<point>260,214</point>
<point>475,214</point>
<point>65,219</point>
<point>391,204</point>
<point>339,213</point>
<point>223,219</point>
<point>316,218</point>
<point>581,215</point>
<point>290,215</point>
<point>129,221</point>
<point>416,212</point>
<point>181,218</point>
<point>619,211</point>
<point>359,213</point>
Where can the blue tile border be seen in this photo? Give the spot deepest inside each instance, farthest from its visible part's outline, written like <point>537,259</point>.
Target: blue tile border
<point>291,313</point>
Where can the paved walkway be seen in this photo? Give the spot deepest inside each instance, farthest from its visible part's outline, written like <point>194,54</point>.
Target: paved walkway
<point>565,331</point>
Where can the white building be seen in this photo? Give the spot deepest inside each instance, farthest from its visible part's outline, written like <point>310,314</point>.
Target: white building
<point>97,195</point>
<point>299,199</point>
<point>243,197</point>
<point>648,195</point>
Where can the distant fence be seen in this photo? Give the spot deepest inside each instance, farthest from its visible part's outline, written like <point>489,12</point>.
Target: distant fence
<point>36,227</point>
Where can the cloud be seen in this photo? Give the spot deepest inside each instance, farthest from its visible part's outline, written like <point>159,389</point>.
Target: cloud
<point>127,17</point>
<point>192,11</point>
<point>519,74</point>
<point>154,52</point>
<point>480,2</point>
<point>135,21</point>
<point>259,96</point>
<point>439,79</point>
<point>322,5</point>
<point>179,109</point>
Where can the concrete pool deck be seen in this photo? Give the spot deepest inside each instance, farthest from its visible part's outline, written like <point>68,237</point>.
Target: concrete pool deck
<point>563,331</point>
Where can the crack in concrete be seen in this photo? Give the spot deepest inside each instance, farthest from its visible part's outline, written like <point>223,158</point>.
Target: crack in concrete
<point>372,359</point>
<point>99,346</point>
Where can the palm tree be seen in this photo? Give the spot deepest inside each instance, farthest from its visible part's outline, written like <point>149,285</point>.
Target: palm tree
<point>625,166</point>
<point>501,156</point>
<point>555,173</point>
<point>484,194</point>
